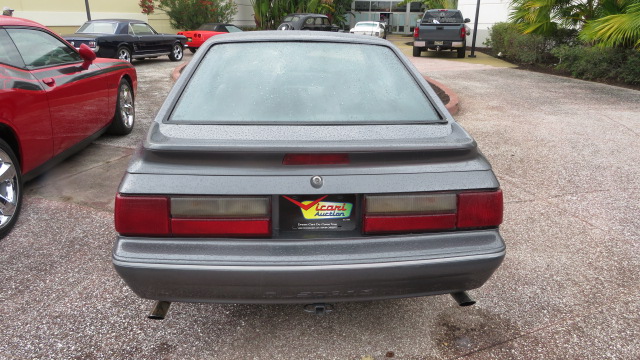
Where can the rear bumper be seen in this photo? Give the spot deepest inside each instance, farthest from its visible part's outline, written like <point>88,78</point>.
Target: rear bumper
<point>307,271</point>
<point>442,44</point>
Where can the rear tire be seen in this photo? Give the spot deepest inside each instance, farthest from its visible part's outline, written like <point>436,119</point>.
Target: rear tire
<point>461,53</point>
<point>176,52</point>
<point>10,189</point>
<point>416,51</point>
<point>124,53</point>
<point>125,116</point>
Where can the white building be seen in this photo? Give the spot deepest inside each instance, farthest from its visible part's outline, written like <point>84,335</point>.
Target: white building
<point>491,12</point>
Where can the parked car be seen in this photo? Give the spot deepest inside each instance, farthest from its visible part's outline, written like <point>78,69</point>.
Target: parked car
<point>316,22</point>
<point>441,29</point>
<point>127,40</point>
<point>305,168</point>
<point>196,38</point>
<point>54,100</point>
<point>372,28</point>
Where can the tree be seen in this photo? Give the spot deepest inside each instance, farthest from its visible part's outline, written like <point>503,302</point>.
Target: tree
<point>617,30</point>
<point>190,14</point>
<point>269,13</point>
<point>434,4</point>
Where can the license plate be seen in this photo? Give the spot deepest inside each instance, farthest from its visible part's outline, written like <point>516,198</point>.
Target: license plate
<point>317,212</point>
<point>438,43</point>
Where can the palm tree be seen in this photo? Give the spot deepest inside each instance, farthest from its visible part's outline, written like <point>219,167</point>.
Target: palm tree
<point>616,30</point>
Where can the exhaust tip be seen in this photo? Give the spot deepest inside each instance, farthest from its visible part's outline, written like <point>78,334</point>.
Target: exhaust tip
<point>463,298</point>
<point>159,311</point>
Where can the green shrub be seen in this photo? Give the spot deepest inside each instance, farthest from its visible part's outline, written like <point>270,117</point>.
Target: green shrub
<point>507,39</point>
<point>190,14</point>
<point>630,72</point>
<point>597,63</point>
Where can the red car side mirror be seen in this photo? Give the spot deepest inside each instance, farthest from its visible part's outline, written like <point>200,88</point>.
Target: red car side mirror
<point>87,55</point>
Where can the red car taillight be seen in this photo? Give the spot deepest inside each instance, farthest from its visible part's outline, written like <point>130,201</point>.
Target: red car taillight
<point>193,216</point>
<point>416,32</point>
<point>429,212</point>
<point>463,32</point>
<point>315,159</point>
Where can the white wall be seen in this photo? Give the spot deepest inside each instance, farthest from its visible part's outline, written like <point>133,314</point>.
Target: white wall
<point>244,16</point>
<point>491,12</point>
<point>73,18</point>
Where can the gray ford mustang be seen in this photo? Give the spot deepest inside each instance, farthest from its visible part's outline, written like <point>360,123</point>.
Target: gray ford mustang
<point>311,168</point>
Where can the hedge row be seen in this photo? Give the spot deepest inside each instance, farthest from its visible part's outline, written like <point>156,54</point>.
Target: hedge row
<point>564,53</point>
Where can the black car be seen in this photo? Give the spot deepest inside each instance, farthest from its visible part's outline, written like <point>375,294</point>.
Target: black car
<point>127,40</point>
<point>315,22</point>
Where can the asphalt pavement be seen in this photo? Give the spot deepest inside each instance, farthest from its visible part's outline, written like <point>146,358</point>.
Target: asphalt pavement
<point>566,154</point>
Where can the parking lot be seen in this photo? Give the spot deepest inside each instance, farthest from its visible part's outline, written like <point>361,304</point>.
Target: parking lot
<point>566,154</point>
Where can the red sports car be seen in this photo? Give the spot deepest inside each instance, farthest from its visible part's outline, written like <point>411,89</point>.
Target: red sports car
<point>54,100</point>
<point>196,38</point>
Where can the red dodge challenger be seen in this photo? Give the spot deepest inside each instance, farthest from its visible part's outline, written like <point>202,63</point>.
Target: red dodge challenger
<point>54,100</point>
<point>196,38</point>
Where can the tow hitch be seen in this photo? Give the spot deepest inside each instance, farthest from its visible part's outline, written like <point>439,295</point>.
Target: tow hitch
<point>319,309</point>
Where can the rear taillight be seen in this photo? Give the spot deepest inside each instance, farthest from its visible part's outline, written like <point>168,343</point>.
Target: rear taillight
<point>480,209</point>
<point>142,215</point>
<point>416,32</point>
<point>315,159</point>
<point>431,211</point>
<point>463,32</point>
<point>211,216</point>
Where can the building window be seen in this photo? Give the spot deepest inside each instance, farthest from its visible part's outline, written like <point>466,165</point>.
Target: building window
<point>362,6</point>
<point>383,6</point>
<point>398,8</point>
<point>416,7</point>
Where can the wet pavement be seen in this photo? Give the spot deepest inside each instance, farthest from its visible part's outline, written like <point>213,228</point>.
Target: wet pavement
<point>566,153</point>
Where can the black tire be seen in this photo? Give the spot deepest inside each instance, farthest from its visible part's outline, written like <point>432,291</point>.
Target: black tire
<point>461,53</point>
<point>193,50</point>
<point>124,53</point>
<point>177,52</point>
<point>125,116</point>
<point>10,189</point>
<point>416,51</point>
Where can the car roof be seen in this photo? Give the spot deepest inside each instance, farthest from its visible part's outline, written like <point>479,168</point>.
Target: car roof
<point>15,21</point>
<point>306,14</point>
<point>117,20</point>
<point>296,35</point>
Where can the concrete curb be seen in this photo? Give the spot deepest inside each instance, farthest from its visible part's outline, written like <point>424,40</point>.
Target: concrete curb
<point>175,74</point>
<point>453,104</point>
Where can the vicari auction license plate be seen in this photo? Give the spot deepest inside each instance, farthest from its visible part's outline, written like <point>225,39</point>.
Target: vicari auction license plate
<point>317,212</point>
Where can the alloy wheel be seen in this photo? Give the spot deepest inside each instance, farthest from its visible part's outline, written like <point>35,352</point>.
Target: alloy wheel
<point>8,189</point>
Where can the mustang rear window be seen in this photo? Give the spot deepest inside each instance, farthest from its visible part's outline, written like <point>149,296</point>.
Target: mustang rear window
<point>98,28</point>
<point>302,82</point>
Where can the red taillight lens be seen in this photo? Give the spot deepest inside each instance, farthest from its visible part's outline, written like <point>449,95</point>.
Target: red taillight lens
<point>142,215</point>
<point>463,32</point>
<point>222,227</point>
<point>408,223</point>
<point>211,216</point>
<point>315,159</point>
<point>420,212</point>
<point>480,209</point>
<point>416,32</point>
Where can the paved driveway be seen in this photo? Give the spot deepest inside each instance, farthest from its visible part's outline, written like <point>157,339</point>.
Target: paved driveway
<point>566,153</point>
